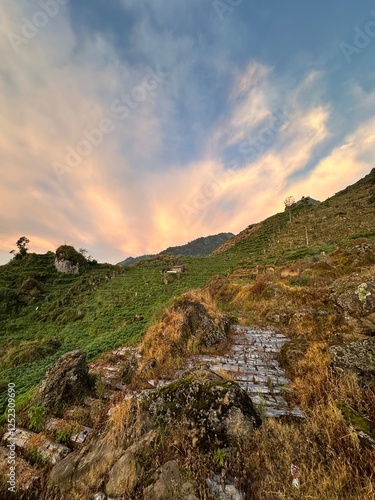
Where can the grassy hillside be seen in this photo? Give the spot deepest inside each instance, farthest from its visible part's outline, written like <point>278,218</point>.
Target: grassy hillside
<point>348,214</point>
<point>44,314</point>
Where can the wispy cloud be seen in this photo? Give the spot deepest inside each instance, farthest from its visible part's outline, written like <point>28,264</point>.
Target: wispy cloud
<point>175,167</point>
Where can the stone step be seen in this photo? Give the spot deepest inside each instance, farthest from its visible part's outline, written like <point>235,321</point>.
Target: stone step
<point>53,452</point>
<point>252,362</point>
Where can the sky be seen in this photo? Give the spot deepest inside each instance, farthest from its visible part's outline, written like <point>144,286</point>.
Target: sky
<point>127,126</point>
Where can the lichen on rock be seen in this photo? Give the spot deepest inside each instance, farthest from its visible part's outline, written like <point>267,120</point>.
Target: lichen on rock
<point>355,298</point>
<point>208,405</point>
<point>355,357</point>
<point>362,292</point>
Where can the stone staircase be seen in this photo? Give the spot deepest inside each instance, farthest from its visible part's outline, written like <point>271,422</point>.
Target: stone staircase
<point>252,362</point>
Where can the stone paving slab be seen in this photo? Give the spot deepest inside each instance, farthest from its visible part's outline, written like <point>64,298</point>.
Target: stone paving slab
<point>253,363</point>
<point>54,452</point>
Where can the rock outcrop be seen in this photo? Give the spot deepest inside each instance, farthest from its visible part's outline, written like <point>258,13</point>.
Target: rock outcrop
<point>68,260</point>
<point>65,381</point>
<point>357,358</point>
<point>355,296</point>
<point>191,323</point>
<point>199,323</point>
<point>66,267</point>
<point>210,411</point>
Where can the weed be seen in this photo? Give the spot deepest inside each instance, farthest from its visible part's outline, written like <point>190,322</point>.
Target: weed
<point>262,406</point>
<point>220,456</point>
<point>100,386</point>
<point>36,418</point>
<point>64,435</point>
<point>36,458</point>
<point>270,384</point>
<point>284,390</point>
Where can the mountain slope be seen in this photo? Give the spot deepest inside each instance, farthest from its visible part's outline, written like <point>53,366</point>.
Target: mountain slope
<point>349,213</point>
<point>196,248</point>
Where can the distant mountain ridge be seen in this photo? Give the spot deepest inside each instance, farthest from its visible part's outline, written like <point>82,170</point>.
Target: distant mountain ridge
<point>197,248</point>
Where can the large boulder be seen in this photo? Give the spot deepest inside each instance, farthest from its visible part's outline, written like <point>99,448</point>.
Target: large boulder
<point>191,322</point>
<point>200,322</point>
<point>65,381</point>
<point>355,297</point>
<point>216,412</point>
<point>68,260</point>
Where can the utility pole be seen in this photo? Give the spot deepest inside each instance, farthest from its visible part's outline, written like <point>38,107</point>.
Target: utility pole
<point>307,236</point>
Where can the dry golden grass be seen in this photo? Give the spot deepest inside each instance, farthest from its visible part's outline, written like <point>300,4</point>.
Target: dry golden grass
<point>226,375</point>
<point>36,440</point>
<point>125,422</point>
<point>163,337</point>
<point>332,465</point>
<point>169,341</point>
<point>311,375</point>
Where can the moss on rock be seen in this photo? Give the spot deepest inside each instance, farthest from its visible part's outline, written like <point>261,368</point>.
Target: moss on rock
<point>205,403</point>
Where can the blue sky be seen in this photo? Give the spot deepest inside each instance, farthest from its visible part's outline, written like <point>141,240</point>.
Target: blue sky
<point>129,126</point>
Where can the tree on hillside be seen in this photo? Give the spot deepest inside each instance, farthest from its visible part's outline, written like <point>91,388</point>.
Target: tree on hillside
<point>288,202</point>
<point>21,243</point>
<point>85,252</point>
